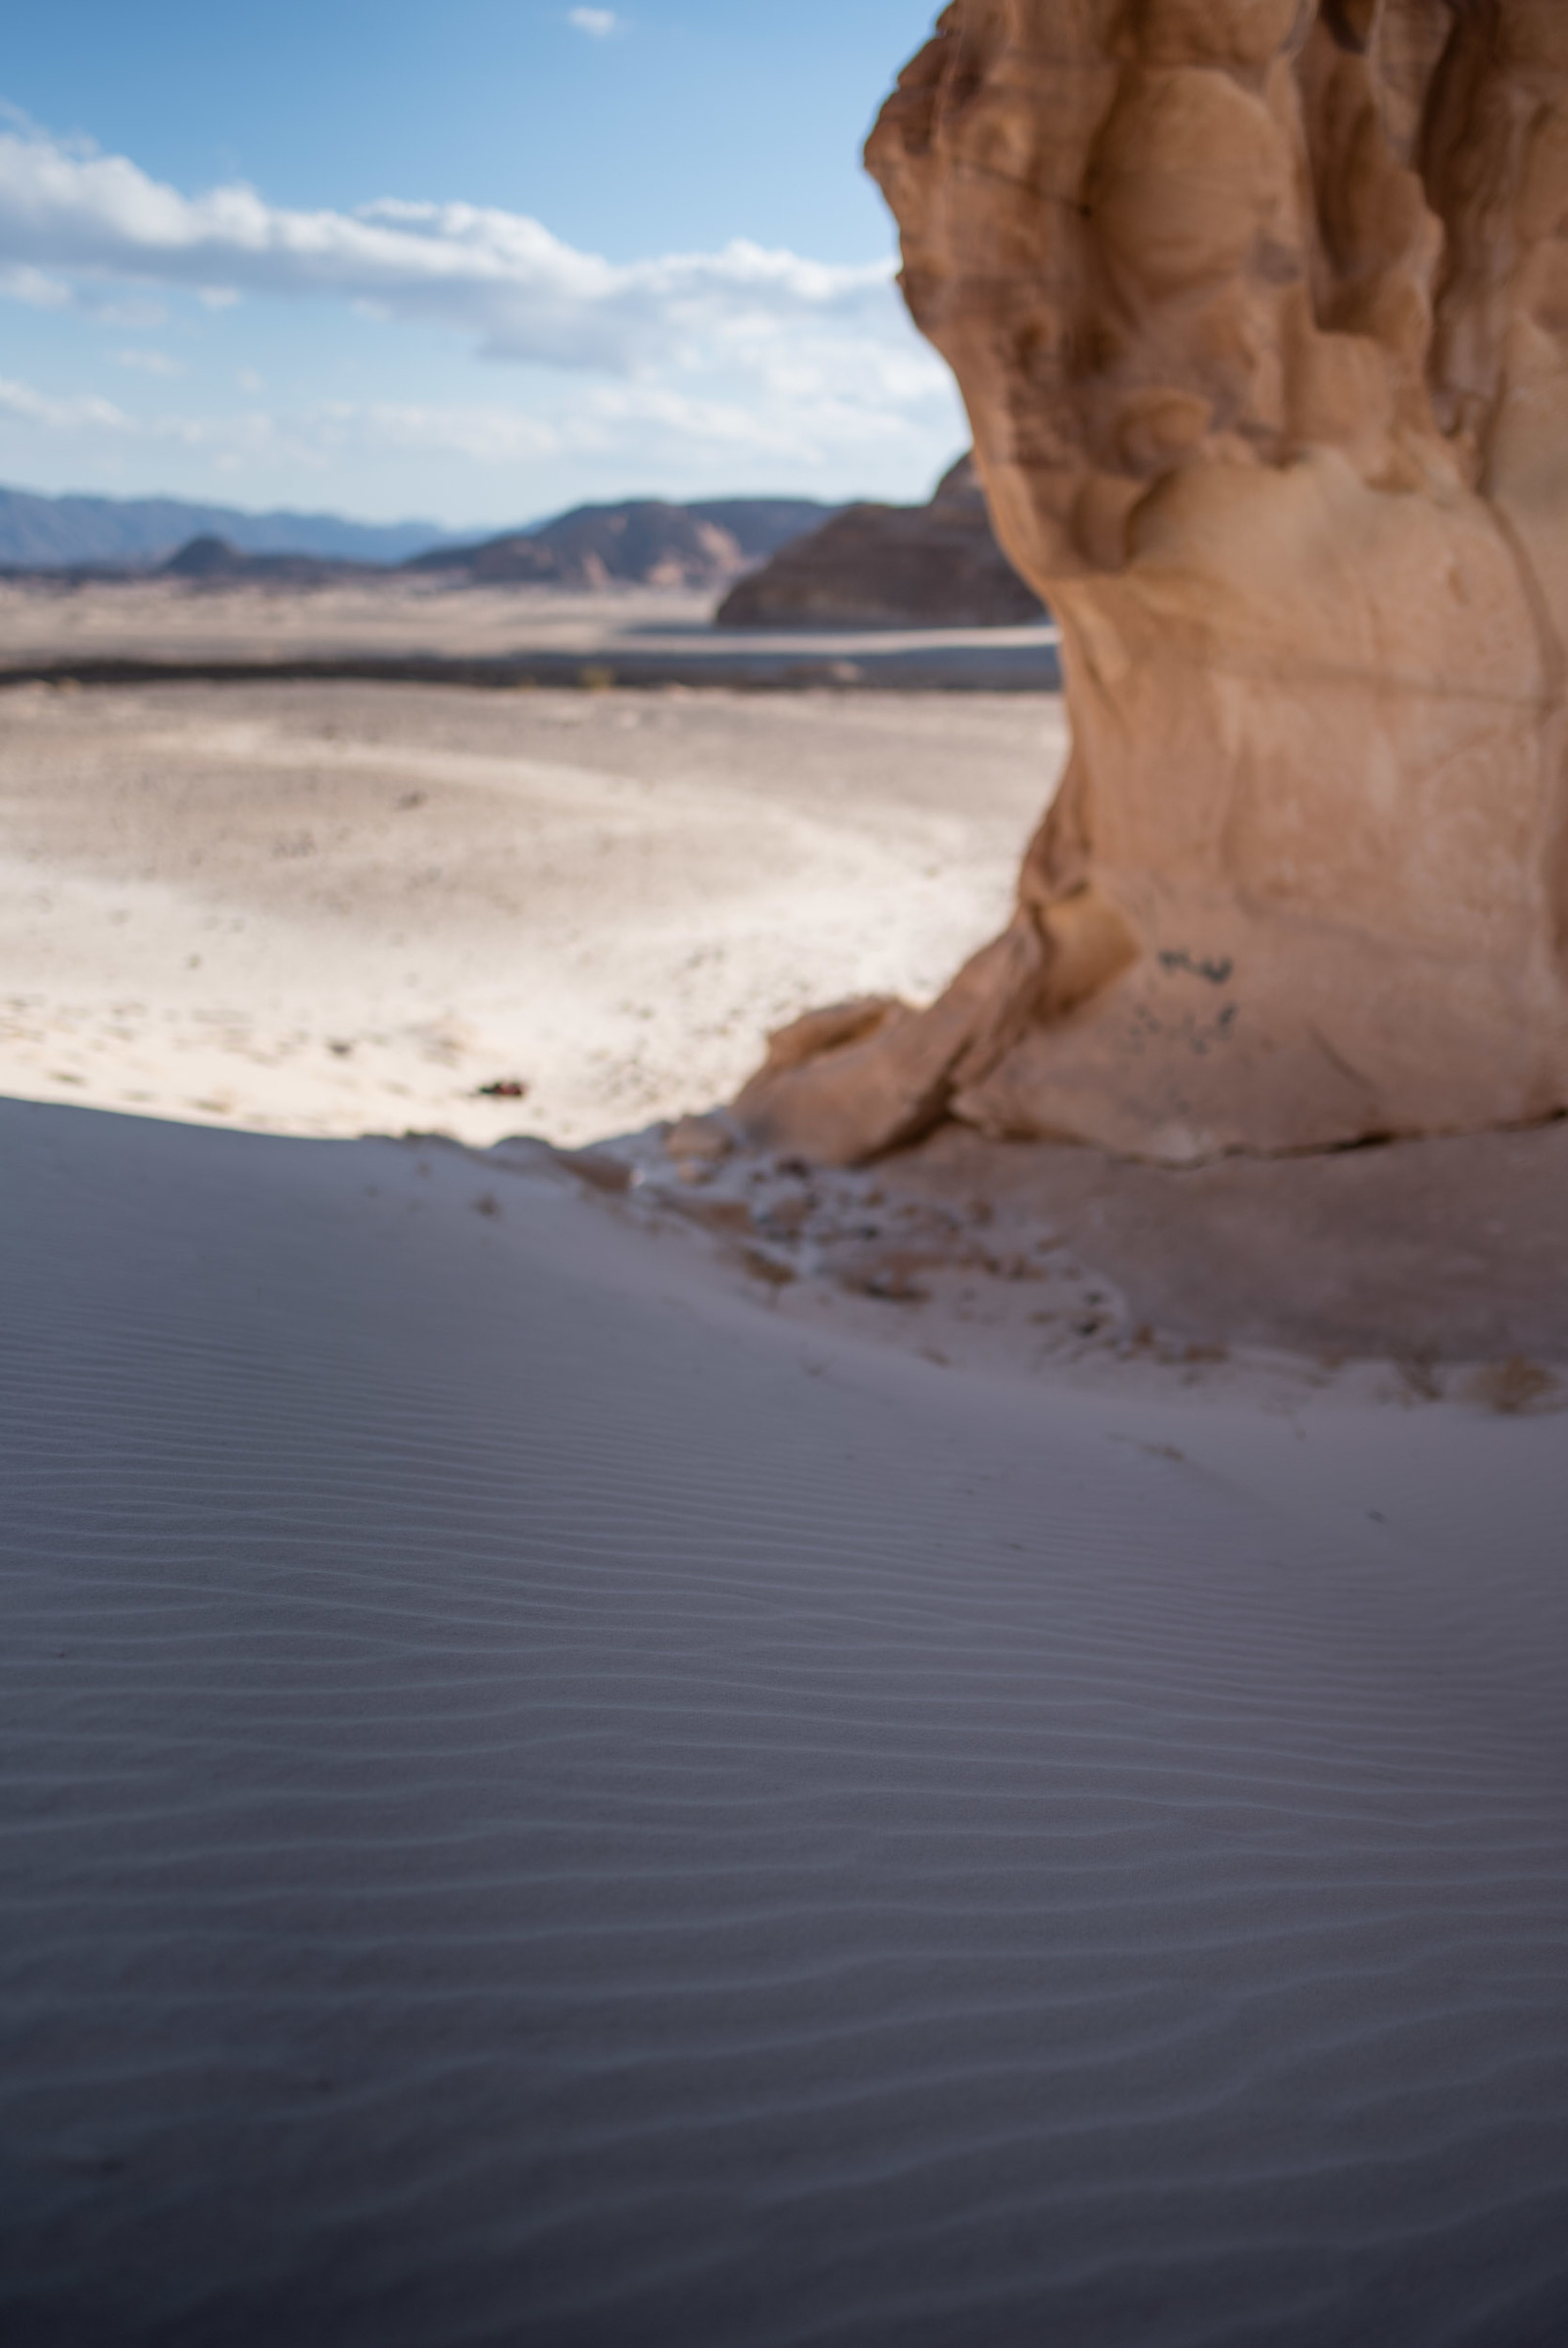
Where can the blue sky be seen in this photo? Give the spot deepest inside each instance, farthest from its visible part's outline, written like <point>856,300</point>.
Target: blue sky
<point>475,261</point>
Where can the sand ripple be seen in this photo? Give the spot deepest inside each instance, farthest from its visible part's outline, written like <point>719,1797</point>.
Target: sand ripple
<point>532,1819</point>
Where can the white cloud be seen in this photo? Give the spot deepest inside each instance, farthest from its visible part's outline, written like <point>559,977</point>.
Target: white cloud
<point>696,370</point>
<point>489,434</point>
<point>618,430</point>
<point>22,283</point>
<point>149,362</point>
<point>496,275</point>
<point>25,405</point>
<point>598,23</point>
<point>139,317</point>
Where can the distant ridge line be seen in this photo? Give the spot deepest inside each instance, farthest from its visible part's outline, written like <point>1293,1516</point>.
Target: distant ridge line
<point>79,531</point>
<point>88,532</point>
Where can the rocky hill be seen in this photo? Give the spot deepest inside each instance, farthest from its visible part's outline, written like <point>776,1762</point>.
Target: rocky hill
<point>933,566</point>
<point>213,561</point>
<point>644,542</point>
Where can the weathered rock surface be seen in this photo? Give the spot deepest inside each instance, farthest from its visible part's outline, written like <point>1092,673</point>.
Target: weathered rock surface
<point>1261,311</point>
<point>930,567</point>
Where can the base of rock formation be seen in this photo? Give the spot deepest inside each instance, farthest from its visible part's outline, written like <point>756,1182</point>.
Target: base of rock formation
<point>1285,899</point>
<point>1422,1271</point>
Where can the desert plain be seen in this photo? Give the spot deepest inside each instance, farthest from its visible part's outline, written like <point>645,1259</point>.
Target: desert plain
<point>336,909</point>
<point>615,1735</point>
<point>641,1714</point>
<point>332,907</point>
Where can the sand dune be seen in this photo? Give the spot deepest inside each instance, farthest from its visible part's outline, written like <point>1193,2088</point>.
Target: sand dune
<point>548,1803</point>
<point>561,1790</point>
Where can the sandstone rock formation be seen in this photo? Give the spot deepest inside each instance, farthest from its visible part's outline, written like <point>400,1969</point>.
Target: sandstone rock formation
<point>1261,311</point>
<point>876,567</point>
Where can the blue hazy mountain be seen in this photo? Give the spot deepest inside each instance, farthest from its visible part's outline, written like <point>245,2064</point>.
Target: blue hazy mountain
<point>641,539</point>
<point>57,532</point>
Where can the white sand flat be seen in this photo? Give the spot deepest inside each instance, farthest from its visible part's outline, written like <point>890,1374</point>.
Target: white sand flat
<point>422,624</point>
<point>44,621</point>
<point>335,910</point>
<point>547,1804</point>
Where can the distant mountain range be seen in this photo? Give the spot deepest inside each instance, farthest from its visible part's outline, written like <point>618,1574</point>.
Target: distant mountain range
<point>48,533</point>
<point>643,541</point>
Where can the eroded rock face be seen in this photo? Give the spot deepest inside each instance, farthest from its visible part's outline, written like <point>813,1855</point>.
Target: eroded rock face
<point>1261,311</point>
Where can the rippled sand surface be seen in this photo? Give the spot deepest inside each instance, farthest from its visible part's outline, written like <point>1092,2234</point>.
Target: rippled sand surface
<point>547,1805</point>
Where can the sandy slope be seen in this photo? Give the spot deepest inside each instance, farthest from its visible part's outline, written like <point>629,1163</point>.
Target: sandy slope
<point>549,1804</point>
<point>560,1788</point>
<point>334,908</point>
